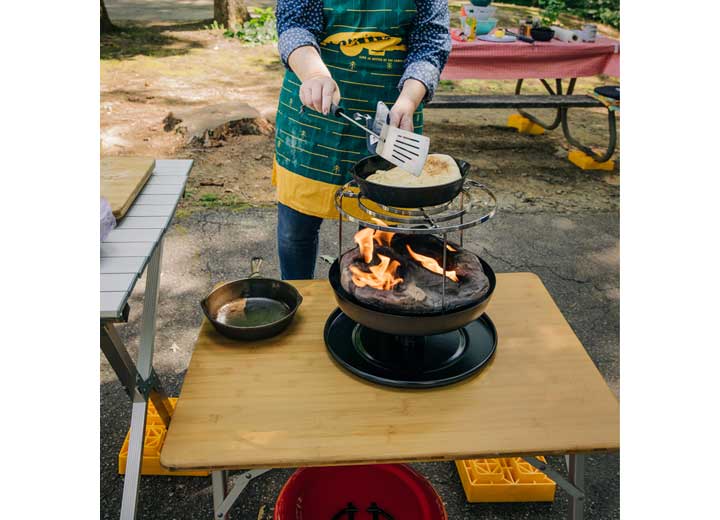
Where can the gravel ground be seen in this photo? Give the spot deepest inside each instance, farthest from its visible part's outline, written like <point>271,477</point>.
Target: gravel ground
<point>575,254</point>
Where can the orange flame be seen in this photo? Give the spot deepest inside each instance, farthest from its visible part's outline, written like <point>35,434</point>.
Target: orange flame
<point>364,240</point>
<point>381,276</point>
<point>431,265</point>
<point>383,238</point>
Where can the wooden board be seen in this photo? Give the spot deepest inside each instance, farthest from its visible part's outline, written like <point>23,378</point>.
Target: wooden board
<point>283,402</point>
<point>121,179</point>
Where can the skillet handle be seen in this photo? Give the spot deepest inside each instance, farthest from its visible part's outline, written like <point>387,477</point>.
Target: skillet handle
<point>255,265</point>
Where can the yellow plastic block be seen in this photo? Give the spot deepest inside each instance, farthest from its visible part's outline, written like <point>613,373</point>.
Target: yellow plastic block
<point>504,480</point>
<point>154,438</point>
<point>524,125</point>
<point>585,162</point>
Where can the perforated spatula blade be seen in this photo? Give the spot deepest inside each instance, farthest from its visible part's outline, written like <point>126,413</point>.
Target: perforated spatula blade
<point>405,149</point>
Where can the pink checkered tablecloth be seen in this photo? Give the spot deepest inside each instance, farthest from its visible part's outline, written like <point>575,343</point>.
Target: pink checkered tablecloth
<point>554,59</point>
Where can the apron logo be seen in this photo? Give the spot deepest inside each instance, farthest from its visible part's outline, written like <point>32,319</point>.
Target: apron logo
<point>376,43</point>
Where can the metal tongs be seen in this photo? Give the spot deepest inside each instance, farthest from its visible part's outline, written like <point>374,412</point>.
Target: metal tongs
<point>400,147</point>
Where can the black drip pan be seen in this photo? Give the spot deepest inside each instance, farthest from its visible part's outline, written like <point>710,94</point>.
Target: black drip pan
<point>410,361</point>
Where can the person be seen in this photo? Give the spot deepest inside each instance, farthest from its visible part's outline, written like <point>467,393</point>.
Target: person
<point>351,53</point>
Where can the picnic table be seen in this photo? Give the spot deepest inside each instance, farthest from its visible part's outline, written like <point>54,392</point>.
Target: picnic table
<point>544,61</point>
<point>283,402</point>
<point>135,247</point>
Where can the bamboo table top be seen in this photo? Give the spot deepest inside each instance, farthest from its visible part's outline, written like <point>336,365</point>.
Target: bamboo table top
<point>283,402</point>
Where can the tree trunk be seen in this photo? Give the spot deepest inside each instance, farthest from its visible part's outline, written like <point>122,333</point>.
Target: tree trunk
<point>231,13</point>
<point>106,25</point>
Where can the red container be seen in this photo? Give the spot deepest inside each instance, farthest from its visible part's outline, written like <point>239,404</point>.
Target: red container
<point>322,493</point>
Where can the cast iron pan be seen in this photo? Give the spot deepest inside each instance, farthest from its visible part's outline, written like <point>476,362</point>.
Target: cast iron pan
<point>414,197</point>
<point>408,324</point>
<point>252,308</point>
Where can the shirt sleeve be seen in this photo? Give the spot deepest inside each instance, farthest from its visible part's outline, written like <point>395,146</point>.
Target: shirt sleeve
<point>428,45</point>
<point>299,23</point>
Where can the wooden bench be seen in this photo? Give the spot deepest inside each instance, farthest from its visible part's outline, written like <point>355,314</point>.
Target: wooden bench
<point>518,101</point>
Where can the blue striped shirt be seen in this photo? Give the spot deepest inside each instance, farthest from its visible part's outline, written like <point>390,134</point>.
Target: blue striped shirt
<point>300,23</point>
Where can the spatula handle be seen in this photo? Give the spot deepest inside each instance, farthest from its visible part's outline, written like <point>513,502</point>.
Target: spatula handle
<point>340,112</point>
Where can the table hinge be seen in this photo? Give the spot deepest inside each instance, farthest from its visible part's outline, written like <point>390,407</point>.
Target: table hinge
<point>145,386</point>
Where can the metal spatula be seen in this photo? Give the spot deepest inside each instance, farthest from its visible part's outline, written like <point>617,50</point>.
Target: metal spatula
<point>402,148</point>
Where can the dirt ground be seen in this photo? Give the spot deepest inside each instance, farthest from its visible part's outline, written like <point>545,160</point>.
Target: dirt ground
<point>154,72</point>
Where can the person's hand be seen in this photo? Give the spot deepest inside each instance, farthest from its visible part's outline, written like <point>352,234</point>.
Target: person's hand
<point>319,92</point>
<point>401,114</point>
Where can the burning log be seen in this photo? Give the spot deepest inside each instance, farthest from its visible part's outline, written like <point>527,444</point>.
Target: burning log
<point>403,273</point>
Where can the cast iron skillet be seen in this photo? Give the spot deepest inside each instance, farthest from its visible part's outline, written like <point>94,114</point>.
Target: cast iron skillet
<point>414,197</point>
<point>283,298</point>
<point>408,324</point>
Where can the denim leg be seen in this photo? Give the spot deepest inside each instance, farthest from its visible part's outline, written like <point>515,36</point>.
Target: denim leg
<point>297,236</point>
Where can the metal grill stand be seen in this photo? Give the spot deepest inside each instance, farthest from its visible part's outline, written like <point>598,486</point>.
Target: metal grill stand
<point>454,216</point>
<point>415,361</point>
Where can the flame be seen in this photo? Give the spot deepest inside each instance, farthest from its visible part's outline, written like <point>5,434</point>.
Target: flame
<point>431,265</point>
<point>364,240</point>
<point>383,238</point>
<point>381,276</point>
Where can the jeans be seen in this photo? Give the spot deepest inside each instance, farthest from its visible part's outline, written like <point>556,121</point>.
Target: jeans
<point>298,242</point>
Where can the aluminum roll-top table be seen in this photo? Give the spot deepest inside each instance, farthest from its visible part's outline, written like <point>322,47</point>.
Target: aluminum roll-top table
<point>135,247</point>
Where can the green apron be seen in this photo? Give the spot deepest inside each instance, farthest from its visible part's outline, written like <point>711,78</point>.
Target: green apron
<point>364,46</point>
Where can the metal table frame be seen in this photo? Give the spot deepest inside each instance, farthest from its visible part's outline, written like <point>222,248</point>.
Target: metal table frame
<point>224,498</point>
<point>139,379</point>
<point>561,118</point>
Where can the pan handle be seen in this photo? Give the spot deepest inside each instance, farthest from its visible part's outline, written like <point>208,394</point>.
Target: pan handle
<point>255,265</point>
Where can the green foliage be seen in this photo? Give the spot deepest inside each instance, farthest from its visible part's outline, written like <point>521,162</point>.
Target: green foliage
<point>208,197</point>
<point>551,10</point>
<point>605,11</point>
<point>259,29</point>
<point>215,26</point>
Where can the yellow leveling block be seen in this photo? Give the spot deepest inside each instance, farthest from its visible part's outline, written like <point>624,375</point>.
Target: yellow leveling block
<point>585,162</point>
<point>154,438</point>
<point>504,480</point>
<point>524,125</point>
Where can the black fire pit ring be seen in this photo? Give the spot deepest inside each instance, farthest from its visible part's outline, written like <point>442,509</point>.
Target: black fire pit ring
<point>409,324</point>
<point>410,361</point>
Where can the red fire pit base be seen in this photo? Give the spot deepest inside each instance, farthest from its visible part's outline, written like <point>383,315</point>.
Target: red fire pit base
<point>410,361</point>
<point>377,492</point>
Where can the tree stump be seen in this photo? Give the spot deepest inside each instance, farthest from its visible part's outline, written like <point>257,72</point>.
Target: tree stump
<point>231,13</point>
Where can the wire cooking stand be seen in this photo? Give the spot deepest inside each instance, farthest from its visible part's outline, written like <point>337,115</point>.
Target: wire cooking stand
<point>450,217</point>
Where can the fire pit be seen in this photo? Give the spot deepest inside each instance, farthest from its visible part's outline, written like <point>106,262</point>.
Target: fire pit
<point>411,302</point>
<point>403,274</point>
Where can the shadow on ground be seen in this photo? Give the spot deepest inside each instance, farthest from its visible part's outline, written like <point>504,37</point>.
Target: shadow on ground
<point>136,39</point>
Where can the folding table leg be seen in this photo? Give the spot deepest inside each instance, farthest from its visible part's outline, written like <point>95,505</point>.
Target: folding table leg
<point>576,472</point>
<point>574,485</point>
<point>147,335</point>
<point>128,507</point>
<point>224,499</point>
<point>140,381</point>
<point>219,489</point>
